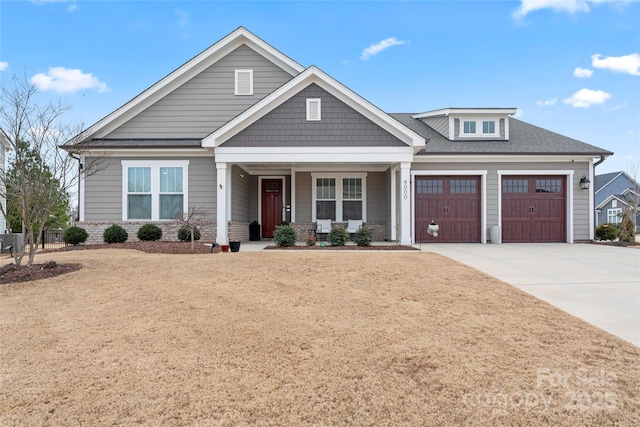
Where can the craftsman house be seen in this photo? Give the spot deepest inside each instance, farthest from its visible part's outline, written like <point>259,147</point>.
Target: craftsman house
<point>244,133</point>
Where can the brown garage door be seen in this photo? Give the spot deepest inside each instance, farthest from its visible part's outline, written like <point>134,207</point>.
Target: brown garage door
<point>534,209</point>
<point>453,203</point>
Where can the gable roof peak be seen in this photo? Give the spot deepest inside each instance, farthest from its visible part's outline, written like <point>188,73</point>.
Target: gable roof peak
<point>240,36</point>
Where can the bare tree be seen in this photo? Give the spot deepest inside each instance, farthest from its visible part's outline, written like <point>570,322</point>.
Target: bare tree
<point>42,172</point>
<point>193,218</point>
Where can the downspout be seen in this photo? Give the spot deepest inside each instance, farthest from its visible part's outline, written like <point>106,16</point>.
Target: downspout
<point>77,215</point>
<point>593,196</point>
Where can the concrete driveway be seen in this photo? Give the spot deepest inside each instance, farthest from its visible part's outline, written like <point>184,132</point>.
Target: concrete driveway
<point>597,283</point>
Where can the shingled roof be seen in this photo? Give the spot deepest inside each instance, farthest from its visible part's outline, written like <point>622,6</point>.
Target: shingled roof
<point>524,138</point>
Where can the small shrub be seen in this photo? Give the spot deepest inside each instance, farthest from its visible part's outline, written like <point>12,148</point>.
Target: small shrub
<point>627,229</point>
<point>607,232</point>
<point>363,237</point>
<point>75,235</point>
<point>115,234</point>
<point>184,234</point>
<point>285,236</point>
<point>311,240</point>
<point>338,236</point>
<point>149,232</point>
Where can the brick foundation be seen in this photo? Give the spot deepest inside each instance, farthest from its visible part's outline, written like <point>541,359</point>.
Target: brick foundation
<point>169,230</point>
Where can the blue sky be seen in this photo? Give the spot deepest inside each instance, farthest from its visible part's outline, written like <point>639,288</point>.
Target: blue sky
<point>571,66</point>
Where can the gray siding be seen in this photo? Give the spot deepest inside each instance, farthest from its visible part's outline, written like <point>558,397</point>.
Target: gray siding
<point>617,186</point>
<point>287,126</point>
<point>580,197</point>
<point>502,129</point>
<point>440,124</point>
<point>253,198</point>
<point>303,196</point>
<point>103,190</point>
<point>377,203</point>
<point>240,191</point>
<point>207,101</point>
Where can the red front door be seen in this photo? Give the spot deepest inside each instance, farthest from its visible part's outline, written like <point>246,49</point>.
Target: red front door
<point>271,205</point>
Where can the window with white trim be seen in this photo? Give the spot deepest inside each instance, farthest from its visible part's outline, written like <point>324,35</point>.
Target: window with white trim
<point>154,190</point>
<point>339,197</point>
<point>314,112</point>
<point>614,216</point>
<point>482,128</point>
<point>244,82</point>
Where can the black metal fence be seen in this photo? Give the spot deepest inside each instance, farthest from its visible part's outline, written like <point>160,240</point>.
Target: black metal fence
<point>52,238</point>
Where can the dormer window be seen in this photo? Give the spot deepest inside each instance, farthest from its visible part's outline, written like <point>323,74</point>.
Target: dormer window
<point>488,127</point>
<point>479,128</point>
<point>244,82</point>
<point>469,127</point>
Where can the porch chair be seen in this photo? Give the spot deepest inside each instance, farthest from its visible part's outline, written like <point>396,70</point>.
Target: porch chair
<point>353,225</point>
<point>323,226</point>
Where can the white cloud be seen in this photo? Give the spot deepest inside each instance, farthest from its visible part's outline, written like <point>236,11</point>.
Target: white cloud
<point>61,79</point>
<point>585,98</point>
<point>582,72</point>
<point>183,18</point>
<point>629,64</point>
<point>547,103</point>
<point>3,66</point>
<point>376,48</point>
<point>618,107</point>
<point>569,6</point>
<point>73,4</point>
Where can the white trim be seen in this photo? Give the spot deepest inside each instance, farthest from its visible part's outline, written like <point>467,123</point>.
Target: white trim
<point>318,108</point>
<point>338,177</point>
<point>482,173</point>
<point>331,155</point>
<point>449,111</point>
<point>479,121</point>
<point>569,198</point>
<point>592,215</point>
<point>406,204</point>
<point>610,198</point>
<point>222,226</point>
<point>310,76</point>
<point>502,158</point>
<point>81,191</point>
<point>155,166</point>
<point>237,80</point>
<point>292,174</point>
<point>184,73</point>
<point>394,226</point>
<point>284,195</point>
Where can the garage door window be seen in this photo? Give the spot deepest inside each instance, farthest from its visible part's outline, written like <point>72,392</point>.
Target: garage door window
<point>463,186</point>
<point>515,186</point>
<point>430,186</point>
<point>548,186</point>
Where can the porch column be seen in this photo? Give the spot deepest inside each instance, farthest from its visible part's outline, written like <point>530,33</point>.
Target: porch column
<point>222,237</point>
<point>405,203</point>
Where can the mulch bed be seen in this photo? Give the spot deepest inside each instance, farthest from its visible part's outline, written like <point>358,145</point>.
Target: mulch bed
<point>156,247</point>
<point>346,248</point>
<point>11,273</point>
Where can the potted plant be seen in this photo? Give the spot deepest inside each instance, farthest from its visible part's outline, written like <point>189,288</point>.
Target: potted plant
<point>254,231</point>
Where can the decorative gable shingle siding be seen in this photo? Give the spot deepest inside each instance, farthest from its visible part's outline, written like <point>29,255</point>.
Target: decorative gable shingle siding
<point>287,126</point>
<point>207,101</point>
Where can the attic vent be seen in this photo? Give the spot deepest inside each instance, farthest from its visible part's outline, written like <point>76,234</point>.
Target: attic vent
<point>313,109</point>
<point>244,82</point>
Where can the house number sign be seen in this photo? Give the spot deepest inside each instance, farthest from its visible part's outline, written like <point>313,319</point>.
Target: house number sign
<point>405,190</point>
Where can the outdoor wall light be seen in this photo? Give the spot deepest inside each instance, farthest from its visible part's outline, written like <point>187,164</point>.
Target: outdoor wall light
<point>584,183</point>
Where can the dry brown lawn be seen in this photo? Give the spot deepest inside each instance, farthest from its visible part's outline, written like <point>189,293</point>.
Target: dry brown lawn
<point>300,339</point>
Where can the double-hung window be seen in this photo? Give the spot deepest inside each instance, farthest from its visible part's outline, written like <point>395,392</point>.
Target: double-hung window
<point>479,128</point>
<point>339,197</point>
<point>154,190</point>
<point>614,216</point>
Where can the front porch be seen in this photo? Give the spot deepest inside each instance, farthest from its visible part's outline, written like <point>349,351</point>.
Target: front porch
<point>300,194</point>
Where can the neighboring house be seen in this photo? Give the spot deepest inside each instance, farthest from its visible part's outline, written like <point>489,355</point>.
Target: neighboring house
<point>245,133</point>
<point>5,145</point>
<point>614,192</point>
